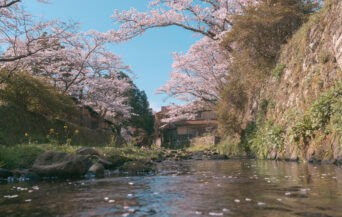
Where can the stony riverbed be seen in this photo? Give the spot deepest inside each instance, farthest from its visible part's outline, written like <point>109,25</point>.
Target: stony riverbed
<point>187,188</point>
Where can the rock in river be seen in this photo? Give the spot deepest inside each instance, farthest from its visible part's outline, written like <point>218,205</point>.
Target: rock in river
<point>59,164</point>
<point>87,151</point>
<point>97,169</point>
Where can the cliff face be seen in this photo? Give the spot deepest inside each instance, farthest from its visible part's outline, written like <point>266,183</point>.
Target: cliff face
<point>337,36</point>
<point>310,66</point>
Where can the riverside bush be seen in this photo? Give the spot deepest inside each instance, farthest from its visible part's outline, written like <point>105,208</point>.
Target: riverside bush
<point>269,137</point>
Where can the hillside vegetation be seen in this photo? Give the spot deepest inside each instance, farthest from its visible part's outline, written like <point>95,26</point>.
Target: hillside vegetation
<point>286,104</point>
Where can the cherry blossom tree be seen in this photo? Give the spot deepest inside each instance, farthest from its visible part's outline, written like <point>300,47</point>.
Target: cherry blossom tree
<point>199,75</point>
<point>23,35</point>
<point>81,65</point>
<point>78,63</point>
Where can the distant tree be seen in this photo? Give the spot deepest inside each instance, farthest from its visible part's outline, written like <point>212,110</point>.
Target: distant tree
<point>142,116</point>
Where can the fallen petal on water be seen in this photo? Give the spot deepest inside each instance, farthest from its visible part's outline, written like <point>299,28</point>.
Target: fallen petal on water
<point>216,213</point>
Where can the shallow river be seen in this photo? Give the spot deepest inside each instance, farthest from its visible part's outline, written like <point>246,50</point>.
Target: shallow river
<point>188,188</point>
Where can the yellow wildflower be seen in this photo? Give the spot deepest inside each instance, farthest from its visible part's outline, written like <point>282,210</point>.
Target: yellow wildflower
<point>26,134</point>
<point>76,132</point>
<point>65,127</point>
<point>52,130</point>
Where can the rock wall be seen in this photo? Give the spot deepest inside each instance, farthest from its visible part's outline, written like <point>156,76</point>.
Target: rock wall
<point>313,59</point>
<point>337,36</point>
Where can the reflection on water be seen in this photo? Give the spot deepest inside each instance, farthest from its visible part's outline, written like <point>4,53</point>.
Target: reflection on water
<point>190,188</point>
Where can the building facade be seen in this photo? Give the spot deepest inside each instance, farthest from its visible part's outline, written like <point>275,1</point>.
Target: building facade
<point>181,133</point>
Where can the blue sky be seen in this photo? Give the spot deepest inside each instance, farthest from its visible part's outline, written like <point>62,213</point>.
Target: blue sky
<point>148,55</point>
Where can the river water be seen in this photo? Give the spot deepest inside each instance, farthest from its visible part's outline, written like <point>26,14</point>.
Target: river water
<point>187,188</point>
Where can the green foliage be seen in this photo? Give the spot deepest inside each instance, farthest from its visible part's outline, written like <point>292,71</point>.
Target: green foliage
<point>247,135</point>
<point>229,147</point>
<point>131,152</point>
<point>302,130</point>
<point>35,95</point>
<point>143,117</point>
<point>23,156</point>
<point>20,156</point>
<point>277,72</point>
<point>30,108</point>
<point>199,147</point>
<point>18,126</point>
<point>267,138</point>
<point>231,107</point>
<point>324,115</point>
<point>255,42</point>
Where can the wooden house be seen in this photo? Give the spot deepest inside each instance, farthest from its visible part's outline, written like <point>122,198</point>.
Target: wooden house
<point>181,132</point>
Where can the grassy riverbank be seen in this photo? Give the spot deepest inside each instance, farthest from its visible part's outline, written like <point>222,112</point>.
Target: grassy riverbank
<point>23,156</point>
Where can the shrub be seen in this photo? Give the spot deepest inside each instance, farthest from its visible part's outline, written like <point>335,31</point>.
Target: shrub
<point>267,138</point>
<point>277,72</point>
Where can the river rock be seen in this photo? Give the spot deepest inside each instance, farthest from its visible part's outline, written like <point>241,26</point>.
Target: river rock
<point>97,169</point>
<point>87,151</point>
<point>117,160</point>
<point>105,163</point>
<point>59,164</point>
<point>4,173</point>
<point>134,167</point>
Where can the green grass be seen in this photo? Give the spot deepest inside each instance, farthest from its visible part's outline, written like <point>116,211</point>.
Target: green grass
<point>23,156</point>
<point>200,147</point>
<point>277,72</point>
<point>131,152</point>
<point>15,123</point>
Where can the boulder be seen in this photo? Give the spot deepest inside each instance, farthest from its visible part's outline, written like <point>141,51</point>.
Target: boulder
<point>135,167</point>
<point>117,160</point>
<point>87,160</point>
<point>59,164</point>
<point>106,163</point>
<point>97,169</point>
<point>113,161</point>
<point>87,151</point>
<point>4,173</point>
